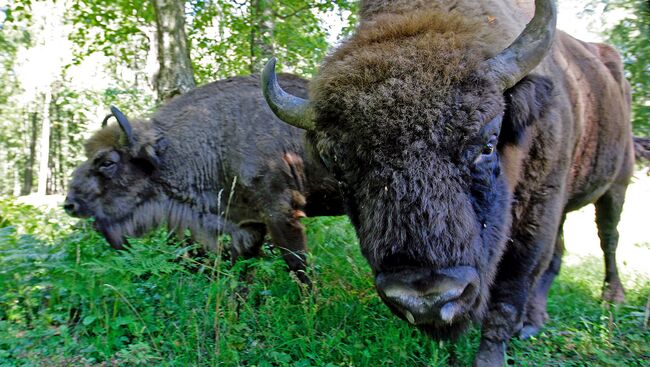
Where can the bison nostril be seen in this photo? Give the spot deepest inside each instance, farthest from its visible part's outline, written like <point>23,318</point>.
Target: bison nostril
<point>70,207</point>
<point>449,311</point>
<point>424,296</point>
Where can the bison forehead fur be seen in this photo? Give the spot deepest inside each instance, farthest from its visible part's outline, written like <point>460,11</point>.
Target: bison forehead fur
<point>413,85</point>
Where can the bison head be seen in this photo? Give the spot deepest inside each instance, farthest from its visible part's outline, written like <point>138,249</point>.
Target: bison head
<point>423,127</point>
<point>115,184</point>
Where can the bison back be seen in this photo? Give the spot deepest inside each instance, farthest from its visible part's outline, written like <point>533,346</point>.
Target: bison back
<point>220,131</point>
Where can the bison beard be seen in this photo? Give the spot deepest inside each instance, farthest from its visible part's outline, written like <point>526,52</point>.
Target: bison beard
<point>177,217</point>
<point>407,114</point>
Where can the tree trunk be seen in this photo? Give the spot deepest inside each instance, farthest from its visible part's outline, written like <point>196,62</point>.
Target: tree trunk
<point>28,177</point>
<point>45,145</point>
<point>175,74</point>
<point>64,149</point>
<point>262,26</point>
<point>56,164</point>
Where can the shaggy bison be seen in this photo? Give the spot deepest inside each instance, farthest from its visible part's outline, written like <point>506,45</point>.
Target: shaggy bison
<point>460,142</point>
<point>180,167</point>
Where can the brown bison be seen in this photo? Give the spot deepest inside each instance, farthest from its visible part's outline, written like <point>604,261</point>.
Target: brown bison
<point>461,142</point>
<point>180,167</point>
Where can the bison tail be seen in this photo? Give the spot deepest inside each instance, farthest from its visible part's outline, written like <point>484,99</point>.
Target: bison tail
<point>642,148</point>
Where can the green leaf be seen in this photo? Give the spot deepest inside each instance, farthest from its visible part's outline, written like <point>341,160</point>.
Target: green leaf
<point>89,320</point>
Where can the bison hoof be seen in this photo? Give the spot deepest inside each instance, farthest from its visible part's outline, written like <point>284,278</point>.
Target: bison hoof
<point>535,320</point>
<point>490,354</point>
<point>613,292</point>
<point>304,280</point>
<point>529,331</point>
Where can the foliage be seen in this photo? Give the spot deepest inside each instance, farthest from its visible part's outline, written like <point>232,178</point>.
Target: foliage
<point>220,33</point>
<point>67,299</point>
<point>107,57</point>
<point>11,140</point>
<point>122,32</point>
<point>231,51</point>
<point>120,29</point>
<point>631,36</point>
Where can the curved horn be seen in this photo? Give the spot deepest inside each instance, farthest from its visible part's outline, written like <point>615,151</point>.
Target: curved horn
<point>518,59</point>
<point>105,120</point>
<point>124,124</point>
<point>289,108</point>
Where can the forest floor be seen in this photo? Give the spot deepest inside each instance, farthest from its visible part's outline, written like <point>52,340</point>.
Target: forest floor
<point>66,299</point>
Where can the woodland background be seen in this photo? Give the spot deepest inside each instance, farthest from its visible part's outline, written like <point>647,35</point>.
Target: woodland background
<point>65,61</point>
<point>67,299</point>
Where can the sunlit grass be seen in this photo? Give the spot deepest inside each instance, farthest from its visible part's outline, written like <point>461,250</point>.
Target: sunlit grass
<point>66,299</point>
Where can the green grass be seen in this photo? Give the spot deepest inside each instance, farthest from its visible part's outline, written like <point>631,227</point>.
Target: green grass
<point>66,299</point>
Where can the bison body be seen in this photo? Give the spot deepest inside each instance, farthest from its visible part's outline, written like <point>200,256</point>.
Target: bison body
<point>461,142</point>
<point>214,160</point>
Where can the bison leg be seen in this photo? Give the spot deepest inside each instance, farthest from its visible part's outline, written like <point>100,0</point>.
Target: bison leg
<point>288,235</point>
<point>249,243</point>
<point>536,314</point>
<point>527,256</point>
<point>608,214</point>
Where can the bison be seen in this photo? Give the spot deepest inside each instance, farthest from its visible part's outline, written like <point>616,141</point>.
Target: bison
<point>460,143</point>
<point>214,160</point>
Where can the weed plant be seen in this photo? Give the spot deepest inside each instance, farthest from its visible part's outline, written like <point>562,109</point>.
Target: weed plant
<point>67,299</point>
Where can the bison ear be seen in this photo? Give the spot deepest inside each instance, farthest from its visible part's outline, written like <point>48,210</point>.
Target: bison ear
<point>147,160</point>
<point>525,103</point>
<point>149,157</point>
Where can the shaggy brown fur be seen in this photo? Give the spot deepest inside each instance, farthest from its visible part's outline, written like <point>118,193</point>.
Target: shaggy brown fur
<point>184,163</point>
<point>404,109</point>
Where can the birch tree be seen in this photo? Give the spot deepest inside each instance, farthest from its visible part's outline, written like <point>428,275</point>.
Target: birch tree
<point>175,75</point>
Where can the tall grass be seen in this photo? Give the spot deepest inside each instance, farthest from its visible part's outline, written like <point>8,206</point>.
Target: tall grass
<point>67,299</point>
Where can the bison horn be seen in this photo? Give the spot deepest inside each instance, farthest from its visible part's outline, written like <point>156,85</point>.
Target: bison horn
<point>518,59</point>
<point>105,120</point>
<point>289,108</point>
<point>124,124</point>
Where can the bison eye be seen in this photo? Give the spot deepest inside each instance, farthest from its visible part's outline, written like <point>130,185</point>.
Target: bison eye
<point>107,164</point>
<point>490,146</point>
<point>488,149</point>
<point>107,168</point>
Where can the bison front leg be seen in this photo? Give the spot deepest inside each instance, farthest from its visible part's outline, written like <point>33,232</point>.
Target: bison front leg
<point>527,255</point>
<point>536,314</point>
<point>288,234</point>
<point>508,302</point>
<point>248,241</point>
<point>289,237</point>
<point>608,213</point>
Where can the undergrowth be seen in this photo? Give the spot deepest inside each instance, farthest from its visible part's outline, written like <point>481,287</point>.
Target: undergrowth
<point>67,299</point>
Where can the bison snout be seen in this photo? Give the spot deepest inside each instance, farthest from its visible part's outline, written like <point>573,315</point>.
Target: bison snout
<point>72,207</point>
<point>425,296</point>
